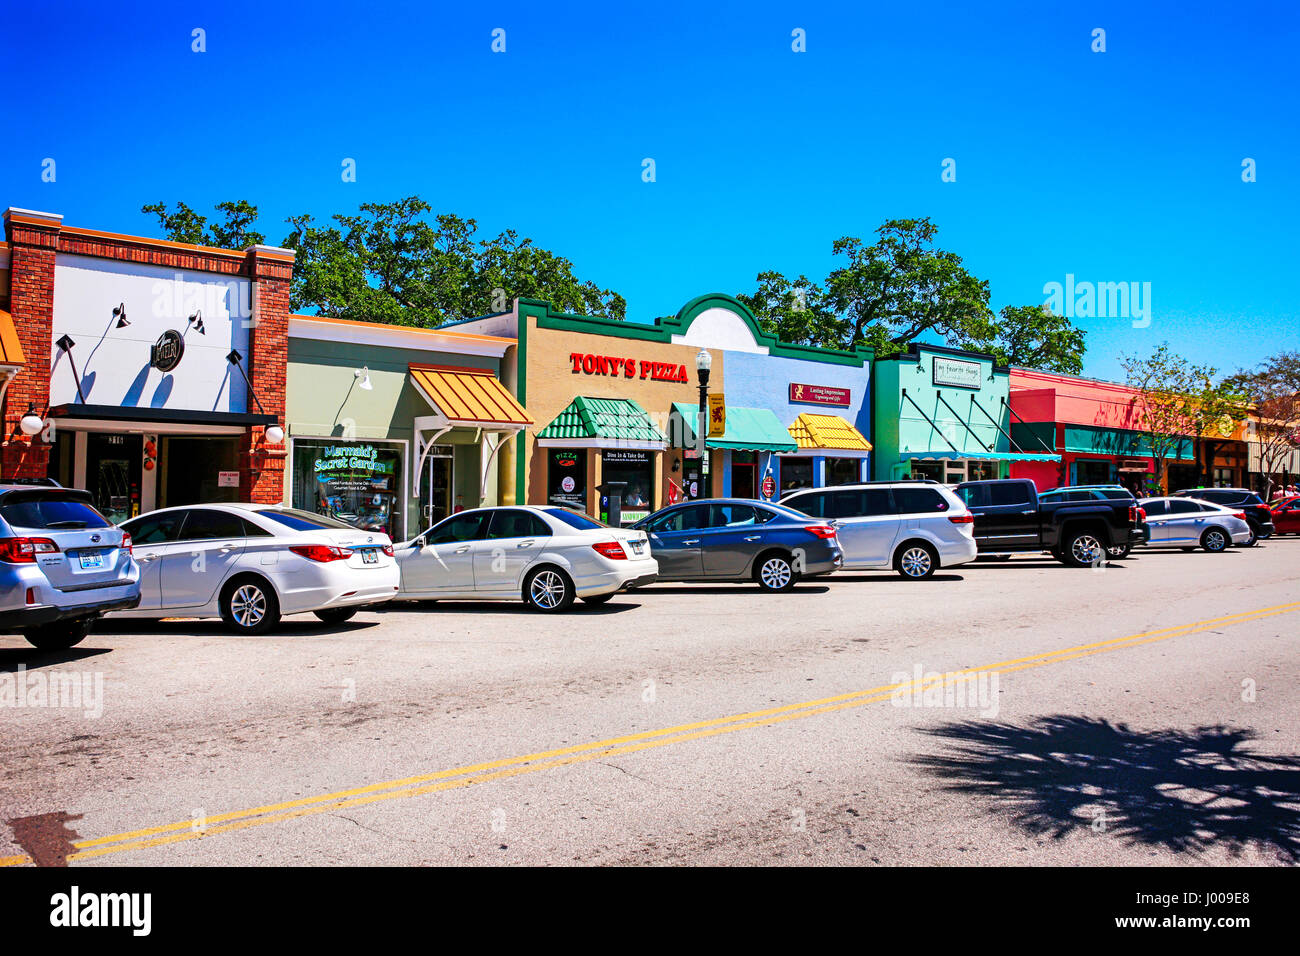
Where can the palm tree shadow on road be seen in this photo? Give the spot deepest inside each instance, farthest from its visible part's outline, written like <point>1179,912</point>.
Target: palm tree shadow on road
<point>1185,791</point>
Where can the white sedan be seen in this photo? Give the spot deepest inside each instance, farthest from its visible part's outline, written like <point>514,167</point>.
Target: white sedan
<point>249,564</point>
<point>544,555</point>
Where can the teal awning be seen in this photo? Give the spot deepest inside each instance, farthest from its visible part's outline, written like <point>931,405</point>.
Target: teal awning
<point>603,422</point>
<point>981,455</point>
<point>748,429</point>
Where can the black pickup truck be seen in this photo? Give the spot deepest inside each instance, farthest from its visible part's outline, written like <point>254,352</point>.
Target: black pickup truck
<point>1079,526</point>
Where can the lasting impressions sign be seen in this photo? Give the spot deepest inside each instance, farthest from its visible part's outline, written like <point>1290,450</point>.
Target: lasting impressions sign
<point>820,395</point>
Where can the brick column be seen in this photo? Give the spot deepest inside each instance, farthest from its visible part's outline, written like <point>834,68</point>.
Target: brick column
<point>262,464</point>
<point>33,238</point>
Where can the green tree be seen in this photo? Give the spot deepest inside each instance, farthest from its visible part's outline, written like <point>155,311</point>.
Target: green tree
<point>391,263</point>
<point>1272,390</point>
<point>1032,336</point>
<point>1165,383</point>
<point>233,231</point>
<point>901,288</point>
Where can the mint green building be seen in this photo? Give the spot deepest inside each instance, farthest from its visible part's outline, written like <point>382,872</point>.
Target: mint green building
<point>942,413</point>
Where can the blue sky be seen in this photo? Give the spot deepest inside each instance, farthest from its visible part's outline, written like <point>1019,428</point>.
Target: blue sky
<point>1115,166</point>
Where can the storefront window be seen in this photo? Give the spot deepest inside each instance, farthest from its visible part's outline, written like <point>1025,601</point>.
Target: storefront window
<point>566,478</point>
<point>637,469</point>
<point>927,469</point>
<point>356,482</point>
<point>843,471</point>
<point>982,470</point>
<point>796,473</point>
<point>1092,472</point>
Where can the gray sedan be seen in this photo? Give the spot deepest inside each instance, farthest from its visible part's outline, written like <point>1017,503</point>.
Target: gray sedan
<point>738,539</point>
<point>1190,524</point>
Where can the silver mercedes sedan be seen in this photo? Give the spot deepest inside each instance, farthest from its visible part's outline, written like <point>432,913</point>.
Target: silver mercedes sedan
<point>1190,524</point>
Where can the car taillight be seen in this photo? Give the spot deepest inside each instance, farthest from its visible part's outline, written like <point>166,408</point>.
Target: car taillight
<point>388,550</point>
<point>1142,514</point>
<point>961,519</point>
<point>1240,514</point>
<point>25,550</point>
<point>126,543</point>
<point>821,530</point>
<point>321,552</point>
<point>610,549</point>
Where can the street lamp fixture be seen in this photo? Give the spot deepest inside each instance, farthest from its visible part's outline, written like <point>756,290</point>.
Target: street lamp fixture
<point>30,424</point>
<point>703,363</point>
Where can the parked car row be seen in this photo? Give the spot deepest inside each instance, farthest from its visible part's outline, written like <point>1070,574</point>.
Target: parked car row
<point>62,565</point>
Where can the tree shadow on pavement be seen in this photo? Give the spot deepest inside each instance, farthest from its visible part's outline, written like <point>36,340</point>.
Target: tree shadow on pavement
<point>1185,791</point>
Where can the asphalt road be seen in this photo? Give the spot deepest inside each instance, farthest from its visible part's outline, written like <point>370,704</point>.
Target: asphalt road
<point>1145,713</point>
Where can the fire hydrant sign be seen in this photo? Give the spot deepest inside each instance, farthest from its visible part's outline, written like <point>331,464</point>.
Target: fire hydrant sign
<point>227,479</point>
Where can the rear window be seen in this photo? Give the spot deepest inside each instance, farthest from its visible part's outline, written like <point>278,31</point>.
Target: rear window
<point>918,501</point>
<point>204,523</point>
<point>517,524</point>
<point>574,519</point>
<point>52,513</point>
<point>303,520</point>
<point>1116,494</point>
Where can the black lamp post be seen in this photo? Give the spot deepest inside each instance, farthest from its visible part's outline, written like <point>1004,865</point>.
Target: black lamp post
<point>703,363</point>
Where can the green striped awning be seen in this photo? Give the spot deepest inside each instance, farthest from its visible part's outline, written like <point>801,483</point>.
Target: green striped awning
<point>602,423</point>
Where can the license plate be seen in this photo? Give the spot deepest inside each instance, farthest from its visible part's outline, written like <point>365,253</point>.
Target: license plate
<point>370,556</point>
<point>637,547</point>
<point>91,560</point>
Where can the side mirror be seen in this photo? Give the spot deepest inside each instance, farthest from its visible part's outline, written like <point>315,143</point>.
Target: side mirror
<point>418,543</point>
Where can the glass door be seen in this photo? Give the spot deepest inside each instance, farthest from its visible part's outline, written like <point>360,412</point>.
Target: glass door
<point>113,474</point>
<point>435,487</point>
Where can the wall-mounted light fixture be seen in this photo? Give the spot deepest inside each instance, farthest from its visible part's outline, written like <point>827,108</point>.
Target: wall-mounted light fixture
<point>31,423</point>
<point>363,378</point>
<point>274,433</point>
<point>196,320</point>
<point>120,314</point>
<point>65,344</point>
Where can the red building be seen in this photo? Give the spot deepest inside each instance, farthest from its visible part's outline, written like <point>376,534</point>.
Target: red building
<point>156,367</point>
<point>1094,426</point>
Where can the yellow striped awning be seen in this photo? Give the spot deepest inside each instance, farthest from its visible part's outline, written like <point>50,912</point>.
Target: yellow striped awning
<point>830,432</point>
<point>11,351</point>
<point>469,396</point>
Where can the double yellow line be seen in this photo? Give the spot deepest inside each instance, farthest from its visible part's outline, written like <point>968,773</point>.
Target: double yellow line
<point>580,753</point>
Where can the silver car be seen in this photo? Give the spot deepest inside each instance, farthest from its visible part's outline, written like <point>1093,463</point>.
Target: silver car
<point>62,565</point>
<point>1190,524</point>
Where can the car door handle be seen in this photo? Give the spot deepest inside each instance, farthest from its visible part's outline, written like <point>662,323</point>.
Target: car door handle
<point>692,541</point>
<point>148,557</point>
<point>526,544</point>
<point>1031,511</point>
<point>461,550</point>
<point>753,537</point>
<point>227,548</point>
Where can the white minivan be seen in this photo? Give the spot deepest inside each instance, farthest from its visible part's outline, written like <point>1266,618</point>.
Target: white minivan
<point>914,527</point>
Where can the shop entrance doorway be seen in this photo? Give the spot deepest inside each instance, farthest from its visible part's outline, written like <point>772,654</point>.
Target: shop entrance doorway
<point>113,474</point>
<point>190,470</point>
<point>435,485</point>
<point>744,475</point>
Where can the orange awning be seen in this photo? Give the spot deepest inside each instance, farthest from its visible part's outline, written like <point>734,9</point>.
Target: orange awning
<point>11,352</point>
<point>469,396</point>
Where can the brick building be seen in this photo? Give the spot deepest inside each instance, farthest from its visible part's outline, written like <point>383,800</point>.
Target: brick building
<point>156,367</point>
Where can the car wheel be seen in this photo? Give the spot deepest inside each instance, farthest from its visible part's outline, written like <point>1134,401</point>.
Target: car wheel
<point>916,562</point>
<point>60,635</point>
<point>774,572</point>
<point>548,590</point>
<point>1118,552</point>
<point>336,615</point>
<point>249,606</point>
<point>1262,534</point>
<point>598,598</point>
<point>1084,550</point>
<point>1215,540</point>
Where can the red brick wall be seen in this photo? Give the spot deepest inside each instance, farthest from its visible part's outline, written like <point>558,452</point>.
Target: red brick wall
<point>33,245</point>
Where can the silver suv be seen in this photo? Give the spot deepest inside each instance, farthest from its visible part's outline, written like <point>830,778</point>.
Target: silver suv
<point>914,527</point>
<point>62,565</point>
